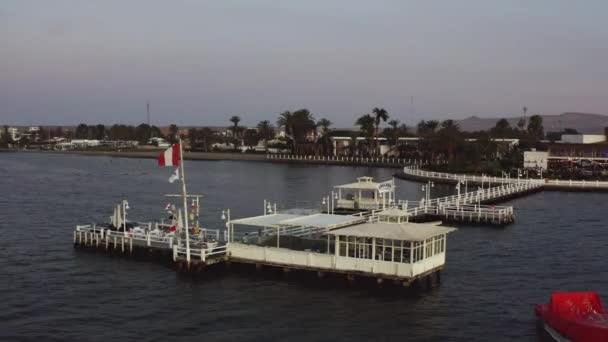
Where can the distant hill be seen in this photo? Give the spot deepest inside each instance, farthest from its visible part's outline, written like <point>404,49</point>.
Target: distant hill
<point>582,122</point>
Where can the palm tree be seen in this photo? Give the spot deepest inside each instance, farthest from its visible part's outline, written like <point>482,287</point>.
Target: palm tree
<point>303,123</point>
<point>379,114</point>
<point>394,130</point>
<point>235,121</point>
<point>366,125</point>
<point>324,124</point>
<point>285,120</point>
<point>265,132</point>
<point>449,137</point>
<point>296,125</point>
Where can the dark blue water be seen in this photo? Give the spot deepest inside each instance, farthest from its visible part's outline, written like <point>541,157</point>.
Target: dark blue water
<point>49,291</point>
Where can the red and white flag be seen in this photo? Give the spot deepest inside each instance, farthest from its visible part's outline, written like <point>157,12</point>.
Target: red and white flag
<point>170,157</point>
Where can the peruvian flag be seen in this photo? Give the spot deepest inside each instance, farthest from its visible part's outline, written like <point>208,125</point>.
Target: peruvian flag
<point>170,157</point>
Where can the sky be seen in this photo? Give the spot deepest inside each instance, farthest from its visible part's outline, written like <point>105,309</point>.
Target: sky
<point>199,62</point>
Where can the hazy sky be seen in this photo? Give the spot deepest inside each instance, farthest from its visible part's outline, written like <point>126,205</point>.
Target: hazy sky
<point>199,62</point>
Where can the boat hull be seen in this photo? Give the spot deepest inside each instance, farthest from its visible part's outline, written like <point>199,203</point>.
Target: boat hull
<point>574,316</point>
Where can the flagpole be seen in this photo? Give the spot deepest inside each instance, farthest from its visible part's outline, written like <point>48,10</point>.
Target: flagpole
<point>181,162</point>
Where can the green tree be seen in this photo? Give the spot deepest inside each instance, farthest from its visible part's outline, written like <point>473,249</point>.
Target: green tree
<point>502,129</point>
<point>324,124</point>
<point>142,133</point>
<point>235,129</point>
<point>173,135</point>
<point>535,127</point>
<point>394,131</point>
<point>521,124</point>
<point>265,132</point>
<point>251,138</point>
<point>57,132</point>
<point>303,123</point>
<point>82,131</point>
<point>7,139</point>
<point>101,132</point>
<point>367,127</point>
<point>297,125</point>
<point>427,127</point>
<point>92,132</point>
<point>380,115</point>
<point>449,138</point>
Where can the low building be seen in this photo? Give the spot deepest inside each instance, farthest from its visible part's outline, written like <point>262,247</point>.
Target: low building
<point>537,160</point>
<point>580,146</point>
<point>85,143</point>
<point>341,244</point>
<point>365,194</point>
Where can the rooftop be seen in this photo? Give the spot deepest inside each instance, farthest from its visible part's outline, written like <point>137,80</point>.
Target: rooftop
<point>362,183</point>
<point>327,221</point>
<point>395,231</point>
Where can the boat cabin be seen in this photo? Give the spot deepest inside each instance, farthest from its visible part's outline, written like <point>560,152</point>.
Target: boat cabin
<point>365,194</point>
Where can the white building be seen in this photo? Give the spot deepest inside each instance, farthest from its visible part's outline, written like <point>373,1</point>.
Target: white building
<point>84,143</point>
<point>536,160</point>
<point>365,194</point>
<point>582,139</point>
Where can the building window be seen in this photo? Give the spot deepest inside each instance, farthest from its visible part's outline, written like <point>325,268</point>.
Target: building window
<point>429,248</point>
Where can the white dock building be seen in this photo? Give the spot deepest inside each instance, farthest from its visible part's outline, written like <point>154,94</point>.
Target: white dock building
<point>365,194</point>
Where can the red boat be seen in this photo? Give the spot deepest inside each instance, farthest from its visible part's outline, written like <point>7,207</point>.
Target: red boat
<point>574,316</point>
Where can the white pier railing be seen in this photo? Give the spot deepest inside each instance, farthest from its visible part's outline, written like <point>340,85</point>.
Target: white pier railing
<point>417,172</point>
<point>392,161</point>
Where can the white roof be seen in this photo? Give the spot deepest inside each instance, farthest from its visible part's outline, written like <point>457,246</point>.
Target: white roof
<point>393,212</point>
<point>364,183</point>
<point>316,220</point>
<point>394,231</point>
<point>265,220</point>
<point>324,221</point>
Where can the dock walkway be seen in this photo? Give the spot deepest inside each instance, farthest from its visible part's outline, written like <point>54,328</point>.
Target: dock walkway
<point>469,206</point>
<point>415,173</point>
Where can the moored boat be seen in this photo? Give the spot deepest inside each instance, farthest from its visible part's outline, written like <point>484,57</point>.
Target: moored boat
<point>574,316</point>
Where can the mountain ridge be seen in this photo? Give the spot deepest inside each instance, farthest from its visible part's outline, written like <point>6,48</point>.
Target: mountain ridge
<point>587,123</point>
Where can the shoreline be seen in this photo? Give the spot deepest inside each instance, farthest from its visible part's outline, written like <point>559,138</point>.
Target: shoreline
<point>215,156</point>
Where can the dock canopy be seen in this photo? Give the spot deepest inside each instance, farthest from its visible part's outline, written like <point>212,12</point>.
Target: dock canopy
<point>394,231</point>
<point>327,221</point>
<point>266,220</point>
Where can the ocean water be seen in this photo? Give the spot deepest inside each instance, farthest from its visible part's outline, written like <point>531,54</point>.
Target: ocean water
<point>51,292</point>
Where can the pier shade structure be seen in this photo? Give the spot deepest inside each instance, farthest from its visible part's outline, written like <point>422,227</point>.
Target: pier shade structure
<point>354,245</point>
<point>365,194</point>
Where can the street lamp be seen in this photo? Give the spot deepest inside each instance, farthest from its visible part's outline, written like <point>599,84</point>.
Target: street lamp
<point>327,200</point>
<point>226,217</point>
<point>125,206</point>
<point>427,189</point>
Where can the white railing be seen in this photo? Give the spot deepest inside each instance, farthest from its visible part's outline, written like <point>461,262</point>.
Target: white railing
<point>201,254</point>
<point>576,184</point>
<point>469,201</point>
<point>353,159</point>
<point>413,171</point>
<point>468,178</point>
<point>289,257</point>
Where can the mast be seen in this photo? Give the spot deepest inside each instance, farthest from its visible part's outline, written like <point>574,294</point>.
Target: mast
<point>185,195</point>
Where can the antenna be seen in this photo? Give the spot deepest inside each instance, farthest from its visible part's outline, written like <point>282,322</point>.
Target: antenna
<point>148,119</point>
<point>412,110</point>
